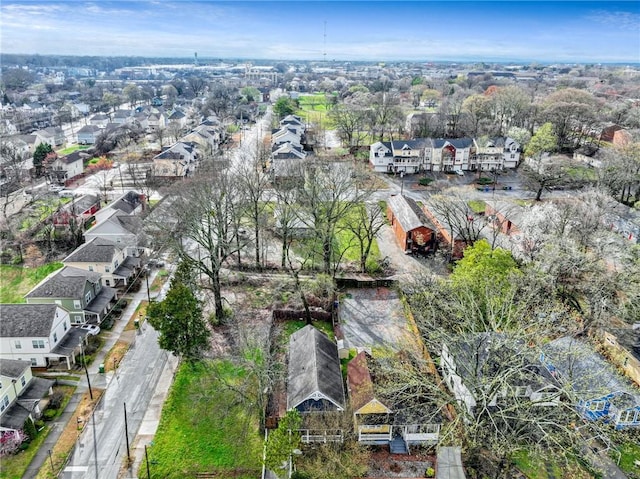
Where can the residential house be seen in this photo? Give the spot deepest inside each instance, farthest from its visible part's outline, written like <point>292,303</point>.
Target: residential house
<point>287,151</point>
<point>88,134</point>
<point>130,203</point>
<point>293,122</point>
<point>78,291</point>
<point>597,390</point>
<point>494,154</point>
<point>286,135</point>
<point>21,397</point>
<point>99,119</point>
<point>178,118</point>
<point>381,157</point>
<point>178,161</point>
<point>39,333</point>
<point>378,422</point>
<point>504,216</point>
<point>449,154</point>
<point>592,155</point>
<point>53,135</point>
<point>314,381</point>
<point>64,168</point>
<point>207,137</point>
<point>80,109</point>
<point>79,211</point>
<point>448,233</point>
<point>123,229</point>
<point>156,119</point>
<point>474,365</point>
<point>622,346</point>
<point>414,232</point>
<point>102,256</point>
<point>123,117</point>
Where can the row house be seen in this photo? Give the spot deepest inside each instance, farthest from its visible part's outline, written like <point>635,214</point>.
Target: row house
<point>79,292</point>
<point>121,228</point>
<point>41,334</point>
<point>22,397</point>
<point>117,269</point>
<point>446,155</point>
<point>287,147</point>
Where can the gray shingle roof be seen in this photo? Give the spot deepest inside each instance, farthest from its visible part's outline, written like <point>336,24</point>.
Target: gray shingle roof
<point>66,283</point>
<point>314,367</point>
<point>97,250</point>
<point>408,213</point>
<point>13,368</point>
<point>26,320</point>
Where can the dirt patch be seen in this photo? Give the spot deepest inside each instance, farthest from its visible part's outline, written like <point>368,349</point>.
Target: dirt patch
<point>384,464</point>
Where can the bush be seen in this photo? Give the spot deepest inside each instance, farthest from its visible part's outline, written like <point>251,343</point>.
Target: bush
<point>49,414</point>
<point>424,181</point>
<point>55,401</point>
<point>24,446</point>
<point>30,429</point>
<point>430,472</point>
<point>484,181</point>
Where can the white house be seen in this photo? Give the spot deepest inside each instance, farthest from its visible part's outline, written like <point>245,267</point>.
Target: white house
<point>121,228</point>
<point>39,333</point>
<point>105,257</point>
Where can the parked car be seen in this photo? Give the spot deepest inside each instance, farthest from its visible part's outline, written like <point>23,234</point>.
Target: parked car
<point>67,193</point>
<point>56,188</point>
<point>459,172</point>
<point>155,263</point>
<point>92,329</point>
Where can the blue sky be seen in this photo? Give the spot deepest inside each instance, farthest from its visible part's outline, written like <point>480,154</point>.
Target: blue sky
<point>548,31</point>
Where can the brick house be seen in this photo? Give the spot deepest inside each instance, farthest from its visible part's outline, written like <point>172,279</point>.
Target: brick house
<point>411,227</point>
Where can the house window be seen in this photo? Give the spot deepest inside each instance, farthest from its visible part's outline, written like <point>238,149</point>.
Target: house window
<point>55,337</point>
<point>38,344</point>
<point>17,344</point>
<point>64,325</point>
<point>107,282</point>
<point>5,402</point>
<point>77,318</point>
<point>34,362</point>
<point>87,297</point>
<point>23,381</point>
<point>107,269</point>
<point>90,268</point>
<point>115,264</point>
<point>77,304</point>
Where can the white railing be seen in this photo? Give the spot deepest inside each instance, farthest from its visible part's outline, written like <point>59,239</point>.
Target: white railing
<point>310,435</point>
<point>421,433</point>
<point>375,433</point>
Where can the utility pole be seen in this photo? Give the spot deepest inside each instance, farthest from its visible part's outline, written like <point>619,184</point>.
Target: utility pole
<point>146,456</point>
<point>126,431</point>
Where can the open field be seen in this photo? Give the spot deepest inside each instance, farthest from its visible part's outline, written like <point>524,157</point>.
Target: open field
<point>206,427</point>
<point>18,281</point>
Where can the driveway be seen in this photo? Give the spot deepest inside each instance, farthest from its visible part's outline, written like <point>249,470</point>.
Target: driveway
<point>374,318</point>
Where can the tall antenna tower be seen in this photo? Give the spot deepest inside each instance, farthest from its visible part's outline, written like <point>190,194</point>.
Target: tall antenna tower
<point>324,48</point>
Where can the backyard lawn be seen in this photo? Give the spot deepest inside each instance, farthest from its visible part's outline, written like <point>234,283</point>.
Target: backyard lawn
<point>18,281</point>
<point>206,427</point>
<point>71,149</point>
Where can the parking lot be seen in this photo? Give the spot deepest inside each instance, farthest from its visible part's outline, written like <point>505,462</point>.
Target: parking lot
<point>374,318</point>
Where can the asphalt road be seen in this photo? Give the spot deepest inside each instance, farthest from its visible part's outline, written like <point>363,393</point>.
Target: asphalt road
<point>101,449</point>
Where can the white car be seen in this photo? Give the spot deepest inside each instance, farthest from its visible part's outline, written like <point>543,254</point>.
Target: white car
<point>92,329</point>
<point>459,172</point>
